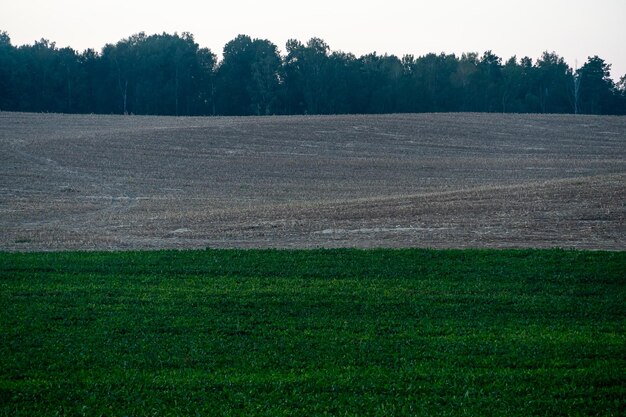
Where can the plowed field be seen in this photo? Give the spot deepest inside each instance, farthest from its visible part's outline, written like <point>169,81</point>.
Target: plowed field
<point>428,180</point>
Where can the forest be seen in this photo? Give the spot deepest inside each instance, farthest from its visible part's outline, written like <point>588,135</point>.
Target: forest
<point>170,74</point>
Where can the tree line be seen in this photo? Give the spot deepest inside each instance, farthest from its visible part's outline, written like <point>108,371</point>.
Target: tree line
<point>165,74</point>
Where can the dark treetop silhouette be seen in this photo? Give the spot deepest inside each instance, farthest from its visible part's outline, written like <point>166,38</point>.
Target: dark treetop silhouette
<point>171,75</point>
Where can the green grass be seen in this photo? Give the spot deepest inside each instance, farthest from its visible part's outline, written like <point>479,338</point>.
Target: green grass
<point>323,332</point>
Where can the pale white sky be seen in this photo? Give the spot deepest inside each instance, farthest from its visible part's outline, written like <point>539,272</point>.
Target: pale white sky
<point>574,29</point>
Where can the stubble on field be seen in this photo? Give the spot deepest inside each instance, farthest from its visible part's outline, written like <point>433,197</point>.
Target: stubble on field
<point>432,180</point>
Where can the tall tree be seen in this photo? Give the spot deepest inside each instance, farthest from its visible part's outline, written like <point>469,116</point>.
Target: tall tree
<point>344,81</point>
<point>490,81</point>
<point>234,76</point>
<point>306,76</point>
<point>121,60</point>
<point>43,77</point>
<point>70,79</point>
<point>205,83</point>
<point>434,75</point>
<point>380,83</point>
<point>463,80</point>
<point>158,74</point>
<point>596,86</point>
<point>511,86</point>
<point>620,93</point>
<point>554,81</point>
<point>7,71</point>
<point>248,77</point>
<point>265,82</point>
<point>91,98</point>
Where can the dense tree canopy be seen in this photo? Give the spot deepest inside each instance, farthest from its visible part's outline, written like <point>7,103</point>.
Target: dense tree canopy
<point>171,75</point>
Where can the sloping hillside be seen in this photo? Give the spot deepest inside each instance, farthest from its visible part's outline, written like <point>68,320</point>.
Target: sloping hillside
<point>426,180</point>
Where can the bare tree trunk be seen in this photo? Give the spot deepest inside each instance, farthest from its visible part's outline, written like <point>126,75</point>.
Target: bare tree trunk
<point>69,92</point>
<point>125,97</point>
<point>213,95</point>
<point>576,92</point>
<point>176,90</point>
<point>124,90</point>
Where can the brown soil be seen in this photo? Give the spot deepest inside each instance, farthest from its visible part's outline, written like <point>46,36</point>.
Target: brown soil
<point>428,180</point>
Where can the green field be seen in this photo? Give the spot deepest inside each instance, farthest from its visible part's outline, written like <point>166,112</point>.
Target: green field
<point>321,332</point>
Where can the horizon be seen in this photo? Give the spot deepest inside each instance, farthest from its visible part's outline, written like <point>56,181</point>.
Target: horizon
<point>574,30</point>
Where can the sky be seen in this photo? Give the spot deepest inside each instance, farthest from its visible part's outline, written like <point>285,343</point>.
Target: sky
<point>574,29</point>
